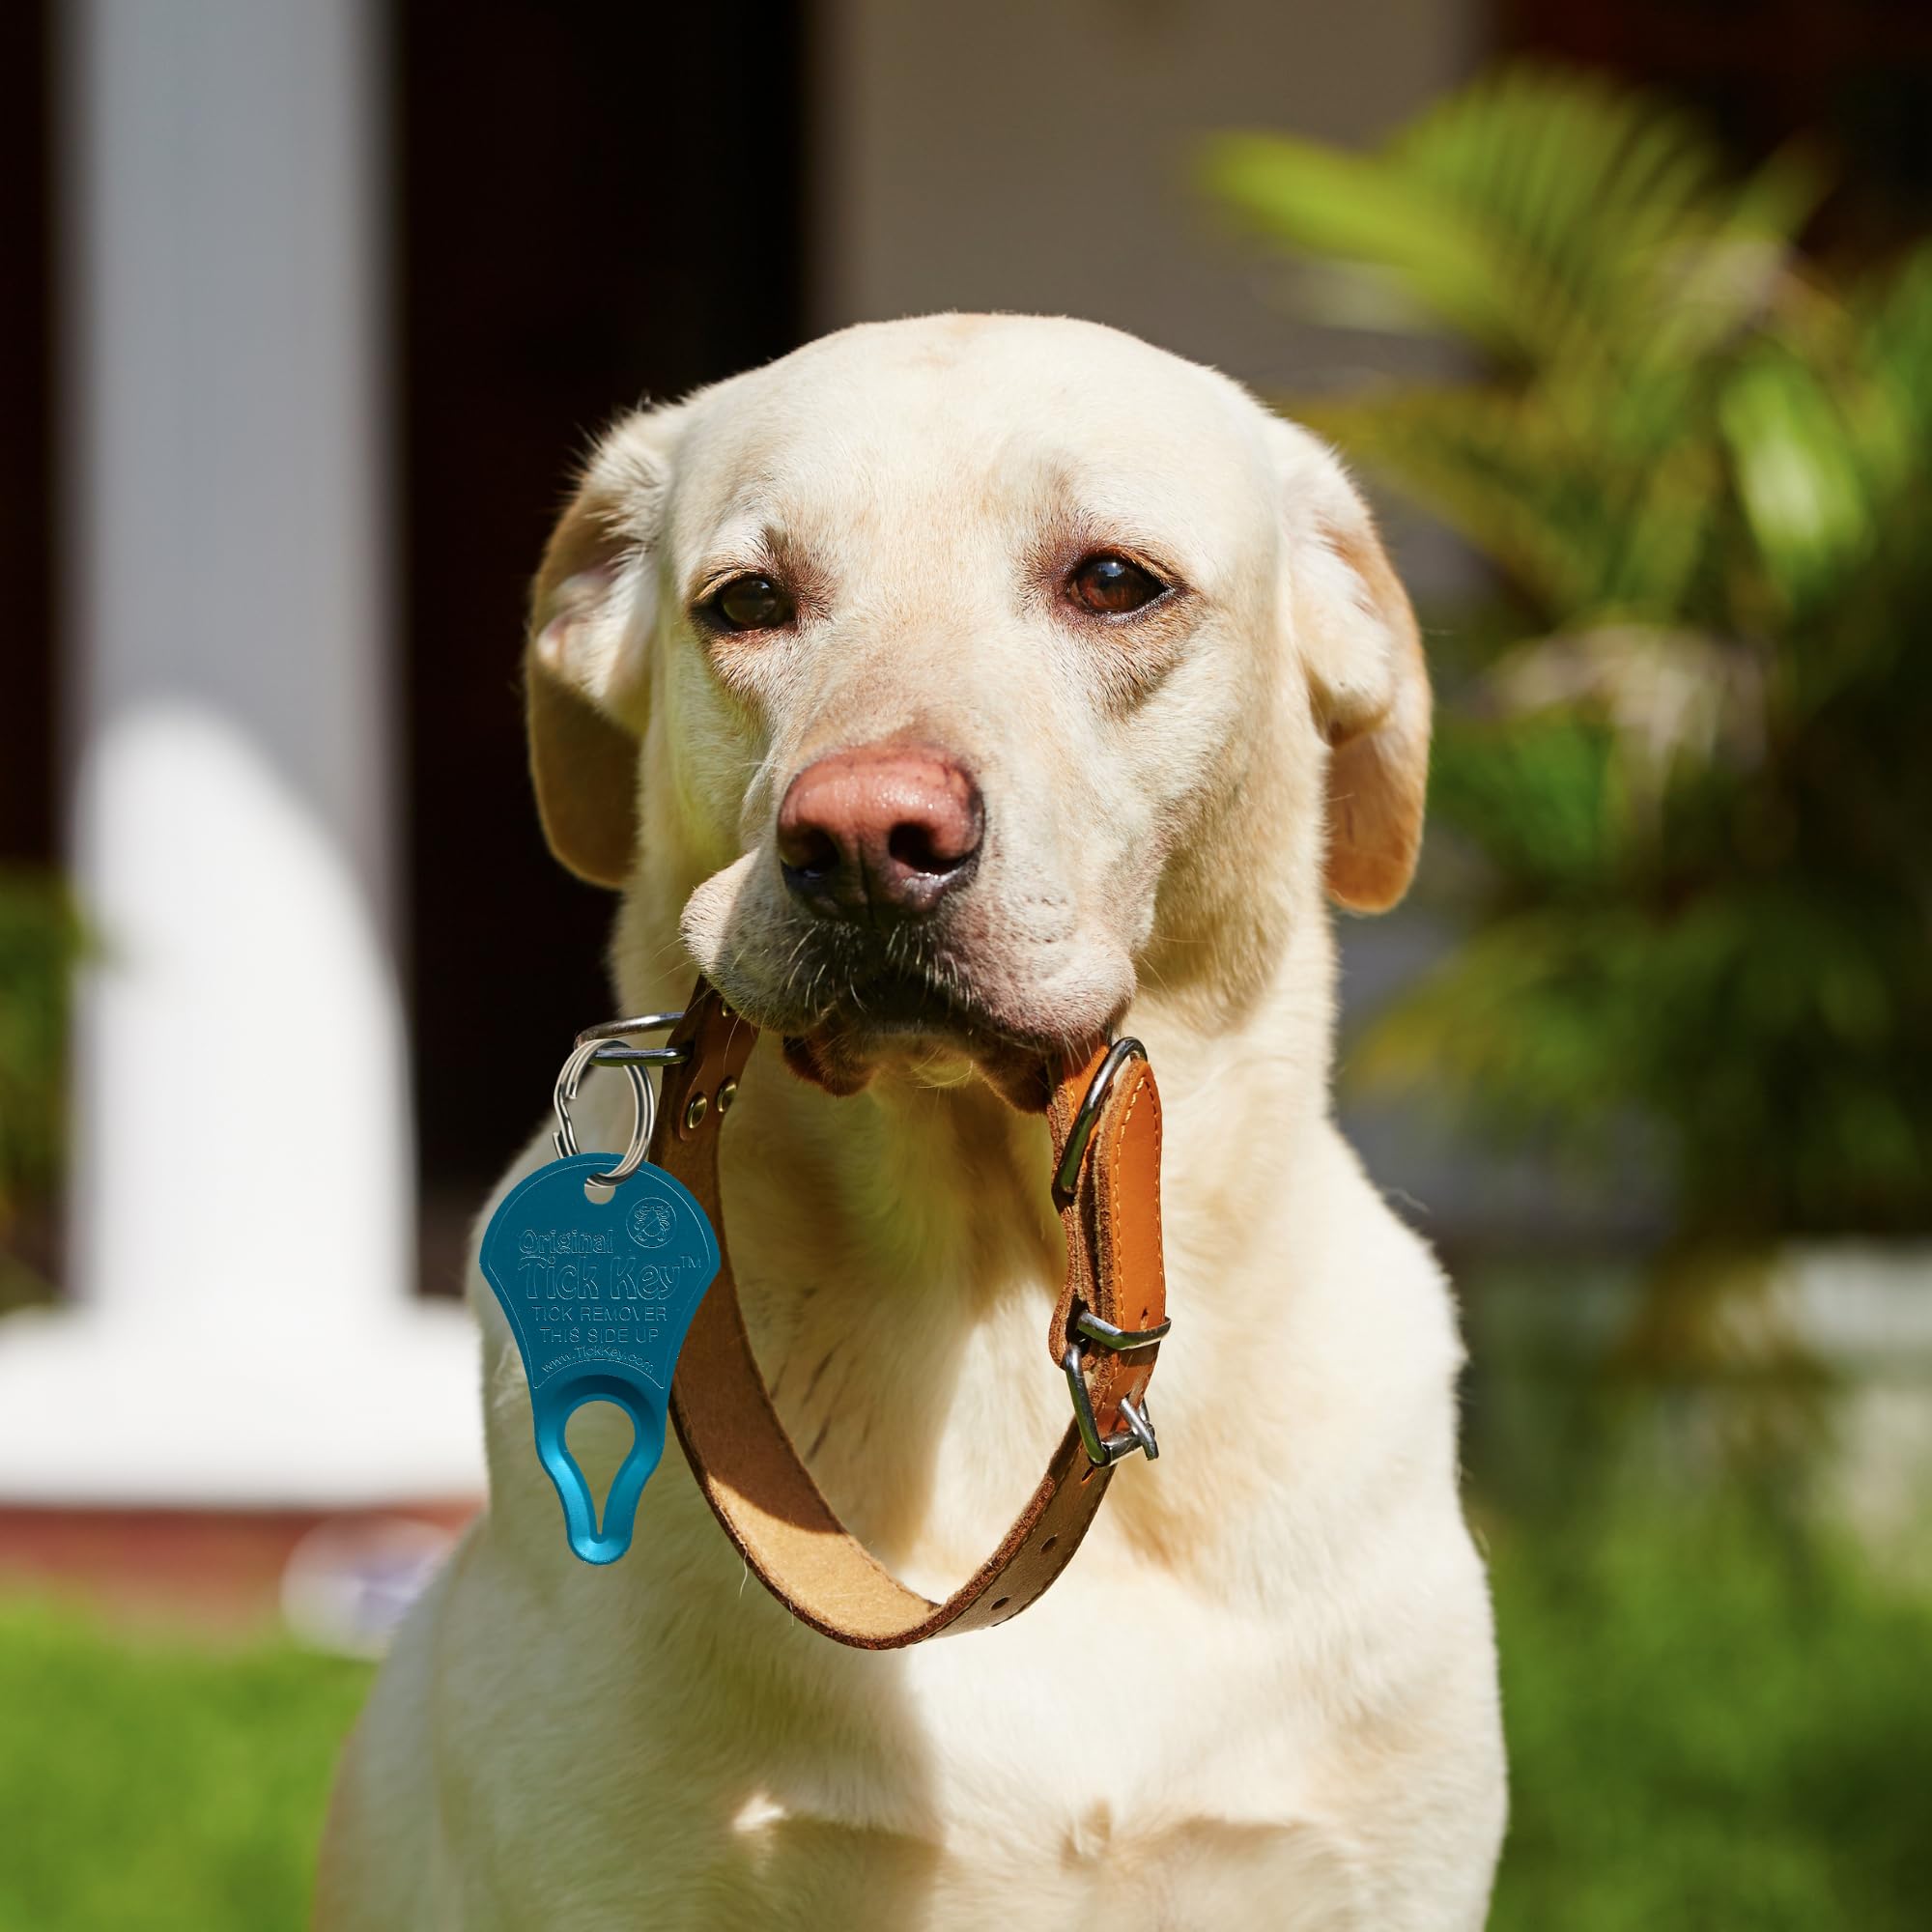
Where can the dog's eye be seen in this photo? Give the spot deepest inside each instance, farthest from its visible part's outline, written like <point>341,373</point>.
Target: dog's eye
<point>1110,586</point>
<point>750,604</point>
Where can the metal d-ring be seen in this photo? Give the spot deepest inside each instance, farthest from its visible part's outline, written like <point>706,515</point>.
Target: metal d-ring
<point>1066,1176</point>
<point>564,1140</point>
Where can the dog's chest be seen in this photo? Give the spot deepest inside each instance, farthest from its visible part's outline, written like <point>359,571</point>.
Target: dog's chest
<point>1119,1702</point>
<point>1131,1752</point>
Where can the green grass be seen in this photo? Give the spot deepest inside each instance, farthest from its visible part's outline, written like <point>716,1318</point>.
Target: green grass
<point>149,1786</point>
<point>1714,1727</point>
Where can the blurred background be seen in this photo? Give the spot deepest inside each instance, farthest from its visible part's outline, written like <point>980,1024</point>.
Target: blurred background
<point>1624,316</point>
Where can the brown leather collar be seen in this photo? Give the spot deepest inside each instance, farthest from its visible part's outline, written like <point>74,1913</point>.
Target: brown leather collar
<point>1105,1335</point>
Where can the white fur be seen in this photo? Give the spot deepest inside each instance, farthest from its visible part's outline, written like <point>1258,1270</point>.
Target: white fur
<point>1264,1693</point>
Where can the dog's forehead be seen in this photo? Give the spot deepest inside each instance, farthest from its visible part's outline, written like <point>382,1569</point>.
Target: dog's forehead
<point>987,419</point>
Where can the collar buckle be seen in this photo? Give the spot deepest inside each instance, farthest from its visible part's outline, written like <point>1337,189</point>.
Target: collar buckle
<point>1102,1450</point>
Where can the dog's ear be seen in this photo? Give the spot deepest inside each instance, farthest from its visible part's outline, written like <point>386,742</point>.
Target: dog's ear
<point>1357,641</point>
<point>586,671</point>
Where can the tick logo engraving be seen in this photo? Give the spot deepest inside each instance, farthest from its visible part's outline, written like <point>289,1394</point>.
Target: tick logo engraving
<point>651,1223</point>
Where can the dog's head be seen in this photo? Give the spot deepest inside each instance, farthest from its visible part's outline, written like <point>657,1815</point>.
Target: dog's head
<point>951,675</point>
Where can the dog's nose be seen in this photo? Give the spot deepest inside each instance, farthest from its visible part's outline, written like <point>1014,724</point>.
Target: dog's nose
<point>881,833</point>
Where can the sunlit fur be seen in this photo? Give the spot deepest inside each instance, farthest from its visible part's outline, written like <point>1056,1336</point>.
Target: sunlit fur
<point>1263,1695</point>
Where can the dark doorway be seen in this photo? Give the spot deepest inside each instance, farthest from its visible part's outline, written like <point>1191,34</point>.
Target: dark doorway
<point>27,807</point>
<point>597,205</point>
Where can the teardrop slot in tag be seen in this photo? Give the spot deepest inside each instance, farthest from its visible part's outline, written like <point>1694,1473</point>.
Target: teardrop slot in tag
<point>599,1438</point>
<point>591,1540</point>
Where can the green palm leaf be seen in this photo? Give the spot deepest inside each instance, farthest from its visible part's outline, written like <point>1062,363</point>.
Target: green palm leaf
<point>1533,212</point>
<point>1691,817</point>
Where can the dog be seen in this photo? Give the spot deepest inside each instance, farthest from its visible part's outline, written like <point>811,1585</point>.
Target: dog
<point>951,692</point>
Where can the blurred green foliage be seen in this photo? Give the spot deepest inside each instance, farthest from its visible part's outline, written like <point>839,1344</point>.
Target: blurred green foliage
<point>1708,1725</point>
<point>155,1786</point>
<point>40,942</point>
<point>1684,767</point>
<point>1718,1708</point>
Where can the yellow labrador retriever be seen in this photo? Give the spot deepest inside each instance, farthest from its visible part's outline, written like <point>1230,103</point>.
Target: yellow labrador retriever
<point>953,690</point>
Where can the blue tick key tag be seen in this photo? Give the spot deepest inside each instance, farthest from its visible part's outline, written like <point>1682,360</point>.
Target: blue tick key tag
<point>600,1265</point>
